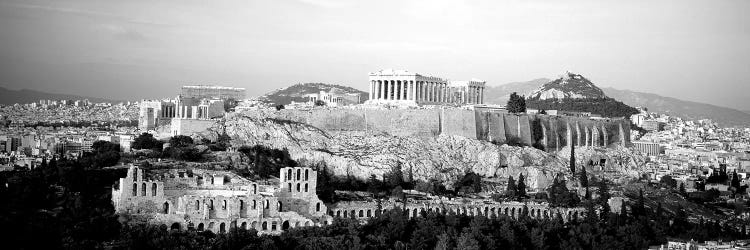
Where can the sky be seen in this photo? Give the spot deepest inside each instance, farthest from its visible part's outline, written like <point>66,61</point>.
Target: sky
<point>134,49</point>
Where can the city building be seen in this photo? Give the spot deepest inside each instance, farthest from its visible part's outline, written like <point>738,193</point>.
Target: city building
<point>333,98</point>
<point>648,148</point>
<point>401,86</point>
<point>212,92</point>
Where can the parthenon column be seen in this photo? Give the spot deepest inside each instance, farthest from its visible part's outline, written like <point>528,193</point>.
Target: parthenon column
<point>371,90</point>
<point>413,86</point>
<point>380,89</point>
<point>404,89</point>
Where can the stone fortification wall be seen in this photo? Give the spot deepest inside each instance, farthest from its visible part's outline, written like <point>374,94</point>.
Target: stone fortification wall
<point>550,132</point>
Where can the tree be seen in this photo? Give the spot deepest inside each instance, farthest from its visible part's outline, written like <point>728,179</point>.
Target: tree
<point>180,141</point>
<point>516,103</point>
<point>682,189</point>
<point>602,198</point>
<point>584,180</point>
<point>735,183</point>
<point>572,158</point>
<point>668,181</point>
<point>146,141</point>
<point>521,190</point>
<point>511,190</point>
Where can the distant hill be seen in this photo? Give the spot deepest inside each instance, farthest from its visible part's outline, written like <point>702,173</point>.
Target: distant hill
<point>298,91</point>
<point>501,93</point>
<point>726,117</point>
<point>573,92</point>
<point>10,97</point>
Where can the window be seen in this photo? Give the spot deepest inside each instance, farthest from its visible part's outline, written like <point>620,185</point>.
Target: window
<point>135,174</point>
<point>289,174</point>
<point>197,205</point>
<point>297,187</point>
<point>254,205</point>
<point>307,171</point>
<point>211,206</point>
<point>290,187</point>
<point>305,187</point>
<point>242,204</point>
<point>299,172</point>
<point>224,204</point>
<point>268,204</point>
<point>153,189</point>
<point>317,207</point>
<point>143,189</point>
<point>135,189</point>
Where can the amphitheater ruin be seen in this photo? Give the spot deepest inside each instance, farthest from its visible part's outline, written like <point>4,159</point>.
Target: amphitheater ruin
<point>209,200</point>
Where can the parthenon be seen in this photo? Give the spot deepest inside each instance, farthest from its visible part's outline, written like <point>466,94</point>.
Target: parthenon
<point>411,88</point>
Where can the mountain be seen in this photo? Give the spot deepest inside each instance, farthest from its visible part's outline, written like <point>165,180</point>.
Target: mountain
<point>10,97</point>
<point>568,86</point>
<point>573,92</point>
<point>501,93</point>
<point>298,92</point>
<point>726,117</point>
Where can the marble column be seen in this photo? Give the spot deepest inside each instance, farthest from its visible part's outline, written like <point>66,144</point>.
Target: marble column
<point>404,91</point>
<point>412,86</point>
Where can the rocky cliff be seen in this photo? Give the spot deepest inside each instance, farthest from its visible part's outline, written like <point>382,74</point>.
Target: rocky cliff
<point>361,154</point>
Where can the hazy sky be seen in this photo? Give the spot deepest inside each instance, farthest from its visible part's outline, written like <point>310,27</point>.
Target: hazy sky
<point>132,49</point>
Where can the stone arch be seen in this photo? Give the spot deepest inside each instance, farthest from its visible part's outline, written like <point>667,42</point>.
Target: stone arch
<point>135,189</point>
<point>338,213</point>
<point>352,213</point>
<point>254,225</point>
<point>191,226</point>
<point>243,225</point>
<point>506,211</point>
<point>414,213</point>
<point>285,225</point>
<point>486,211</point>
<point>265,224</point>
<point>201,227</point>
<point>143,189</point>
<point>153,189</point>
<point>513,212</point>
<point>175,226</point>
<point>165,208</point>
<point>222,228</point>
<point>299,173</point>
<point>346,214</point>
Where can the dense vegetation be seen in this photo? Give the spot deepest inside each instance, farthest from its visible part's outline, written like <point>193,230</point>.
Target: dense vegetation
<point>516,103</point>
<point>606,107</point>
<point>65,204</point>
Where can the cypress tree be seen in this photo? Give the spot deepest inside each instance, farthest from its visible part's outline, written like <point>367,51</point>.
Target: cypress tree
<point>510,191</point>
<point>572,158</point>
<point>521,187</point>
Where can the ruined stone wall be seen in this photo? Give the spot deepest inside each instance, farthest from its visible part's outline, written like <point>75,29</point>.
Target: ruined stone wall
<point>552,133</point>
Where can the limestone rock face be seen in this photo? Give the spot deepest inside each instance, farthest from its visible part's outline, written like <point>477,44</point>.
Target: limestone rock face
<point>361,154</point>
